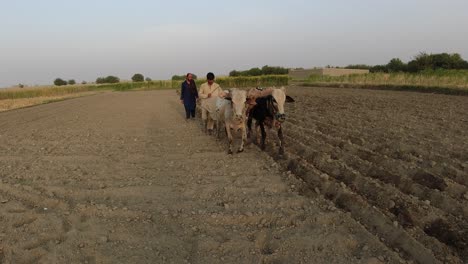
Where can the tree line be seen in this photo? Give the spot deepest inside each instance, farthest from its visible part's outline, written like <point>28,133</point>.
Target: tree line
<point>421,62</point>
<point>137,77</point>
<point>265,70</point>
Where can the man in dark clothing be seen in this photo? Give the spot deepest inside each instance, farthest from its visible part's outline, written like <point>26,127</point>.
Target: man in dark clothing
<point>189,96</point>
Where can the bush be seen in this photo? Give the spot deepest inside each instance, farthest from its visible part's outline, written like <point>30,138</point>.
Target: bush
<point>72,82</point>
<point>138,77</point>
<point>108,79</point>
<point>60,82</point>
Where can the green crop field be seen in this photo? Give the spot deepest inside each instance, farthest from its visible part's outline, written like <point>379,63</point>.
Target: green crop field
<point>439,81</point>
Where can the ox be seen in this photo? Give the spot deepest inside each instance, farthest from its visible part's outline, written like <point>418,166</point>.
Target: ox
<point>232,111</point>
<point>229,108</point>
<point>268,110</point>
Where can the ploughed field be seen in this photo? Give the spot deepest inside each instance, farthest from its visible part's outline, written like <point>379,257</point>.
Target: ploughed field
<point>123,178</point>
<point>397,161</point>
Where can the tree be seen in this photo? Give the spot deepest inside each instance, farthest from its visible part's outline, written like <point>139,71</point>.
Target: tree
<point>148,79</point>
<point>83,82</point>
<point>60,82</point>
<point>267,70</point>
<point>108,79</point>
<point>72,82</point>
<point>112,79</point>
<point>138,77</point>
<point>420,62</point>
<point>234,73</point>
<point>396,65</point>
<point>378,68</point>
<point>178,77</point>
<point>254,72</point>
<point>442,61</point>
<point>458,62</point>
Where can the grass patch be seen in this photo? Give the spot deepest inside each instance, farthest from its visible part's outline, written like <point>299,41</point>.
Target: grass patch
<point>47,91</point>
<point>11,104</point>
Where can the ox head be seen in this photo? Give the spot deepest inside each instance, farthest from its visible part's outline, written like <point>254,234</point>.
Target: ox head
<point>238,99</point>
<point>279,98</point>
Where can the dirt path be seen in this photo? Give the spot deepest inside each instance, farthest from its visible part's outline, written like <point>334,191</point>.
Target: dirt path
<point>123,178</point>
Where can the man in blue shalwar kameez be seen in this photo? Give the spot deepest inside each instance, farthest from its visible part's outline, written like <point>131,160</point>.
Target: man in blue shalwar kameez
<point>189,96</point>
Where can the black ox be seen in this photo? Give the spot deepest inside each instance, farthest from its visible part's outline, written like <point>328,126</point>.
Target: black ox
<point>269,112</point>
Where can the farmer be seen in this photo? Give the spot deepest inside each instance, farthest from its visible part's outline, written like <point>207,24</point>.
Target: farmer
<point>210,89</point>
<point>189,96</point>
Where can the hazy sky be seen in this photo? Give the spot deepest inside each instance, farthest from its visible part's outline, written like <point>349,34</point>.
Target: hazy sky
<point>81,40</point>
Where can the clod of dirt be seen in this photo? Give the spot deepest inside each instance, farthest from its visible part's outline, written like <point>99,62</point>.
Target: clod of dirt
<point>404,216</point>
<point>446,233</point>
<point>324,177</point>
<point>430,180</point>
<point>465,196</point>
<point>103,239</point>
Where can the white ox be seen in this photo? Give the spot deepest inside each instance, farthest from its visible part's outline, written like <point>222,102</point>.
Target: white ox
<point>229,109</point>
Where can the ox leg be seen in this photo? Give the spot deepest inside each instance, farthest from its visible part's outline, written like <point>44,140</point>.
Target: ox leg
<point>217,128</point>
<point>210,125</point>
<point>257,133</point>
<point>281,139</point>
<point>249,127</point>
<point>262,128</point>
<point>230,139</point>
<point>244,139</point>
